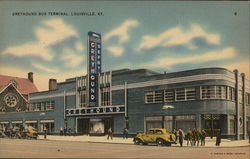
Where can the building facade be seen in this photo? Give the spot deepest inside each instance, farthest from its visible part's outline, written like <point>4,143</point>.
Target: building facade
<point>206,98</point>
<point>14,95</point>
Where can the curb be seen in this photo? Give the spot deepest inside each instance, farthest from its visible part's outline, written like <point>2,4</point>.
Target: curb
<point>172,146</point>
<point>109,142</point>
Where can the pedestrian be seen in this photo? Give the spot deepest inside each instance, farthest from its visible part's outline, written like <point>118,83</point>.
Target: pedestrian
<point>198,137</point>
<point>11,132</point>
<point>61,131</point>
<point>125,133</point>
<point>189,137</point>
<point>218,138</point>
<point>65,131</point>
<point>45,133</point>
<point>181,136</point>
<point>69,131</point>
<point>203,137</point>
<point>195,137</point>
<point>110,134</point>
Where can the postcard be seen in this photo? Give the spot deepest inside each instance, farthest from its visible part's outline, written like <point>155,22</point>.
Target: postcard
<point>124,79</point>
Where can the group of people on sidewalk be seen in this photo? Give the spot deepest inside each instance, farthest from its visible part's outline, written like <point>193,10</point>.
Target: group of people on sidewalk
<point>195,137</point>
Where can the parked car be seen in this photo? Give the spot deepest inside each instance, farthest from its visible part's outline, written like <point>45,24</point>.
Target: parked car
<point>31,132</point>
<point>155,135</point>
<point>27,133</point>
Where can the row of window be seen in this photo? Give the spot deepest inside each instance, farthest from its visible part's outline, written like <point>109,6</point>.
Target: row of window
<point>181,121</point>
<point>41,106</point>
<point>105,97</point>
<point>103,78</point>
<point>194,93</point>
<point>83,98</point>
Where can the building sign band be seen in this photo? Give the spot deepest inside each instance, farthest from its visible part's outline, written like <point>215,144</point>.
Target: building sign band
<point>95,110</point>
<point>94,66</point>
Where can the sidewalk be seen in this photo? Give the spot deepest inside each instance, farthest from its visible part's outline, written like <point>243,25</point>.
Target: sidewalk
<point>120,140</point>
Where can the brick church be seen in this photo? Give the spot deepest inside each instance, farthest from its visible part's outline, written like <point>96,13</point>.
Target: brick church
<point>14,92</point>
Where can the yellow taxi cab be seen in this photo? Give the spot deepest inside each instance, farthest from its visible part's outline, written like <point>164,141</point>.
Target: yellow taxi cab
<point>159,136</point>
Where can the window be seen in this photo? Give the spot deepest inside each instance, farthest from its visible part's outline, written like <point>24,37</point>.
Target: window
<point>169,95</point>
<point>82,98</point>
<point>159,96</point>
<point>208,92</point>
<point>37,107</point>
<point>50,105</point>
<point>41,106</point>
<point>232,129</point>
<point>154,96</point>
<point>30,107</point>
<point>150,132</point>
<point>81,82</point>
<point>168,122</point>
<point>158,132</point>
<point>233,94</point>
<point>229,92</point>
<point>190,94</point>
<point>153,122</point>
<point>47,125</point>
<point>180,94</point>
<point>149,97</point>
<point>214,92</point>
<point>105,96</point>
<point>185,122</point>
<point>220,92</point>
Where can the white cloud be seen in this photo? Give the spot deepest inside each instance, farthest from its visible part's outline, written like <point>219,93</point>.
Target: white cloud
<point>71,59</point>
<point>58,32</point>
<point>226,53</point>
<point>44,68</point>
<point>178,36</point>
<point>29,49</point>
<point>79,46</point>
<point>55,31</point>
<point>115,50</point>
<point>122,31</point>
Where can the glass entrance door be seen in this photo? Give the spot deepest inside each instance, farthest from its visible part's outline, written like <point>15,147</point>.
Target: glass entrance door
<point>108,123</point>
<point>211,123</point>
<point>83,126</point>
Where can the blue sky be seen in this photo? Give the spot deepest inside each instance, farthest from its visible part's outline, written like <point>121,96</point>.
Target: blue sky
<point>161,36</point>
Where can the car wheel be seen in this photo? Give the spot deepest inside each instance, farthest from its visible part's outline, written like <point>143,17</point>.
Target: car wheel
<point>137,141</point>
<point>160,142</point>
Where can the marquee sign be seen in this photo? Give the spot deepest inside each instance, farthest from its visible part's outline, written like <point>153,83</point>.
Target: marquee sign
<point>94,66</point>
<point>95,110</point>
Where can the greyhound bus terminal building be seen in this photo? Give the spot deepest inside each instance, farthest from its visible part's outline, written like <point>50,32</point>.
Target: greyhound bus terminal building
<point>205,98</point>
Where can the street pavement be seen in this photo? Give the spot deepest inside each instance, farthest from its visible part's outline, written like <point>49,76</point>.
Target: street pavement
<point>119,140</point>
<point>27,148</point>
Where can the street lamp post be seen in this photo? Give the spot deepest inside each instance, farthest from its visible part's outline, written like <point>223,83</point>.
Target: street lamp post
<point>166,107</point>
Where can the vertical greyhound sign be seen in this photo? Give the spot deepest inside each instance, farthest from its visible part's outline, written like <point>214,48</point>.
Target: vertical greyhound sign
<point>94,66</point>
